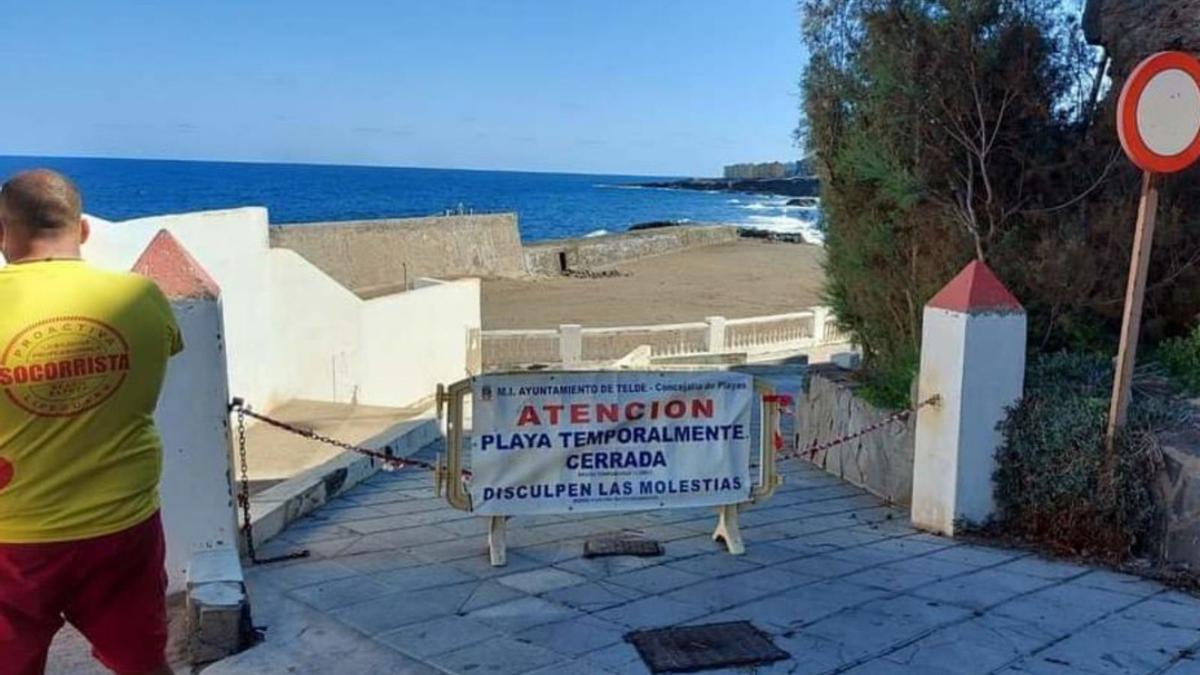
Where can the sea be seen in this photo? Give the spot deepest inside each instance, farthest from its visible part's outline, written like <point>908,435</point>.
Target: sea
<point>548,205</point>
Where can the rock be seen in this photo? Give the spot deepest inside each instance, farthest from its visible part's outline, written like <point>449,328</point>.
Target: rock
<point>1131,30</point>
<point>769,235</point>
<point>804,202</point>
<point>655,224</point>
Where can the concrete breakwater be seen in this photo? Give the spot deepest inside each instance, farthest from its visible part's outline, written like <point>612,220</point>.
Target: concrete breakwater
<point>590,253</point>
<point>377,257</point>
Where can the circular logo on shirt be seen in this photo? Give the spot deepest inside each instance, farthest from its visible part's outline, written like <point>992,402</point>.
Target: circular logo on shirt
<point>63,366</point>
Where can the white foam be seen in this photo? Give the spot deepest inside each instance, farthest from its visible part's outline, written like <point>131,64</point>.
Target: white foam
<point>596,233</point>
<point>786,224</point>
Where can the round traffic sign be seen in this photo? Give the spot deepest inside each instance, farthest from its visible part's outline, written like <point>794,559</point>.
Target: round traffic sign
<point>1158,114</point>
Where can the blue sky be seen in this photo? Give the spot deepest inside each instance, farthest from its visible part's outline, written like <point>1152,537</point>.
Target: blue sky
<point>675,87</point>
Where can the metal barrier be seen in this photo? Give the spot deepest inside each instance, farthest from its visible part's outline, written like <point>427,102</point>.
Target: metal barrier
<point>451,475</point>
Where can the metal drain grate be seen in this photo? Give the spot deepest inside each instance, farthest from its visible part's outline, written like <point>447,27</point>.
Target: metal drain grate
<point>621,545</point>
<point>687,649</point>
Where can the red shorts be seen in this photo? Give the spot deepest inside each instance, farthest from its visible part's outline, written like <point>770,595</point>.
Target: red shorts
<point>111,588</point>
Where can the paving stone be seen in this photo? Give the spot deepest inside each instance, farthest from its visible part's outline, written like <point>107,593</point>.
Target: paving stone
<point>607,566</point>
<point>769,553</point>
<point>517,615</point>
<point>1163,613</point>
<point>713,565</point>
<point>718,594</point>
<point>1189,665</point>
<point>380,561</point>
<point>1060,610</point>
<point>657,579</point>
<point>870,557</point>
<point>619,658</point>
<point>541,580</point>
<point>823,566</point>
<point>981,590</point>
<point>425,576</point>
<point>593,596</point>
<point>486,594</point>
<point>1117,583</point>
<point>1040,567</point>
<point>890,578</point>
<point>651,613</point>
<point>575,636</point>
<point>977,646</point>
<point>396,610</point>
<point>497,656</point>
<point>305,573</point>
<point>800,606</point>
<point>1117,645</point>
<point>977,556</point>
<point>480,566</point>
<point>942,569</point>
<point>437,636</point>
<point>340,592</point>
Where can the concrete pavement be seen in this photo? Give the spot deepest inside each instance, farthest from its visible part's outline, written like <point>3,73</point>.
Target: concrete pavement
<point>400,582</point>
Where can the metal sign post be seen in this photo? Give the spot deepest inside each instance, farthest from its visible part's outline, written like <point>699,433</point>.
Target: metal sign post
<point>1158,120</point>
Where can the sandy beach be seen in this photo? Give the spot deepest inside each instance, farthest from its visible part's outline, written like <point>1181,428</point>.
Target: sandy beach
<point>746,278</point>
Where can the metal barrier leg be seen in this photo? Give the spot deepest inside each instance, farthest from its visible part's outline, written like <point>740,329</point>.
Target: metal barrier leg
<point>497,527</point>
<point>728,530</point>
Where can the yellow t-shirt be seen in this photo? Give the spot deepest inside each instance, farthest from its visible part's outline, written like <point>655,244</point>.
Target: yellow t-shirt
<point>83,353</point>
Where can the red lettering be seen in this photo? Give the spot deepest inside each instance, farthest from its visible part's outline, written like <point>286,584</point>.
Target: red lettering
<point>635,411</point>
<point>579,413</point>
<point>528,416</point>
<point>35,372</point>
<point>64,368</point>
<point>79,367</point>
<point>675,409</point>
<point>20,374</point>
<point>123,362</point>
<point>606,412</point>
<point>702,407</point>
<point>554,410</point>
<point>5,377</point>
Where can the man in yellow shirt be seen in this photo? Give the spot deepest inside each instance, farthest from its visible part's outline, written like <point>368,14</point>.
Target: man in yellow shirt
<point>83,353</point>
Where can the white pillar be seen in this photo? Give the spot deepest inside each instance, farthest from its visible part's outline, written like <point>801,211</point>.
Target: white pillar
<point>570,344</point>
<point>820,318</point>
<point>973,357</point>
<point>192,417</point>
<point>715,335</point>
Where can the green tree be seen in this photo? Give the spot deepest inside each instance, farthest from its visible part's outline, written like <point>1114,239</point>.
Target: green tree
<point>950,129</point>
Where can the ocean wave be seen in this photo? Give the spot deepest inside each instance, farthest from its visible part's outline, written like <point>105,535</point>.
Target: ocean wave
<point>757,206</point>
<point>733,201</point>
<point>786,224</point>
<point>596,233</point>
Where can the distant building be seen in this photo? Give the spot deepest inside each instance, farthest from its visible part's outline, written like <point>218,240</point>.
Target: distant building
<point>764,170</point>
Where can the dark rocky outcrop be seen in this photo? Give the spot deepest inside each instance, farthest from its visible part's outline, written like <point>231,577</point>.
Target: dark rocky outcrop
<point>800,186</point>
<point>806,202</point>
<point>1133,29</point>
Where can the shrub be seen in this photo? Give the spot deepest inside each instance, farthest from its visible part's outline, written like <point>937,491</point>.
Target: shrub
<point>1049,476</point>
<point>1181,357</point>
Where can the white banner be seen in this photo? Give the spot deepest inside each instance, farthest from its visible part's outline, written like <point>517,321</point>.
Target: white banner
<point>556,442</point>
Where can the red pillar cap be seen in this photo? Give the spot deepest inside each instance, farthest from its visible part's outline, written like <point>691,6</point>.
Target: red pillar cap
<point>976,289</point>
<point>175,271</point>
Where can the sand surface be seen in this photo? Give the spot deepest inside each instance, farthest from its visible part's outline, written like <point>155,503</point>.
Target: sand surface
<point>746,278</point>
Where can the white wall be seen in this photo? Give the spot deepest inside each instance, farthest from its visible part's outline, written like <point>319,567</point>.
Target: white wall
<point>196,490</point>
<point>294,332</point>
<point>413,339</point>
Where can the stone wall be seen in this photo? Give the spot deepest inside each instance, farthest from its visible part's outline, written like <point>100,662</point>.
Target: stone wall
<point>590,253</point>
<point>372,257</point>
<point>881,461</point>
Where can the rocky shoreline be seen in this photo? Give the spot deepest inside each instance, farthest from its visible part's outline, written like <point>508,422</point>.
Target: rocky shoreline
<point>800,186</point>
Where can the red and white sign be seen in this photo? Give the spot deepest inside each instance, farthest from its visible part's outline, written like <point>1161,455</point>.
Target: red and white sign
<point>1158,115</point>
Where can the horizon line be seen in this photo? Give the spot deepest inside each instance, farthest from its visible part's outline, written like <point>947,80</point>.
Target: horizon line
<point>347,165</point>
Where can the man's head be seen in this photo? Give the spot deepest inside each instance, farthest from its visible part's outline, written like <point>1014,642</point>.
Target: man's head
<point>41,216</point>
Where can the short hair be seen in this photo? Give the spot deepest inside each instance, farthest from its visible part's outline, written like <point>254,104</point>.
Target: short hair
<point>41,201</point>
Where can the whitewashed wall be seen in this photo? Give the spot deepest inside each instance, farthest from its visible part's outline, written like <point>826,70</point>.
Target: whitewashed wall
<point>294,332</point>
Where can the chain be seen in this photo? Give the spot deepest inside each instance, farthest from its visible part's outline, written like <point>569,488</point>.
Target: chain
<point>244,493</point>
<point>392,463</point>
<point>816,448</point>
